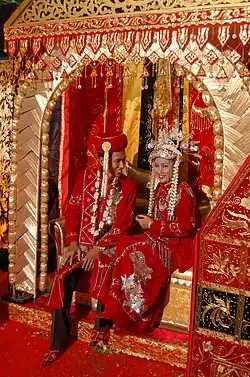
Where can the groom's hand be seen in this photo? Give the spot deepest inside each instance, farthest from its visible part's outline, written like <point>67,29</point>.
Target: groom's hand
<point>71,251</point>
<point>90,257</point>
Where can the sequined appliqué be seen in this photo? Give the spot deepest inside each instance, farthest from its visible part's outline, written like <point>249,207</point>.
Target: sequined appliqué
<point>132,285</point>
<point>133,291</point>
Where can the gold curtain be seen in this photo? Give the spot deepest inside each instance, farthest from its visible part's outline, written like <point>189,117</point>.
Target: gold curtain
<point>132,88</point>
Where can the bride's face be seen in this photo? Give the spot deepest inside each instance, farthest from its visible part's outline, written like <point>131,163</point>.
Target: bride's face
<point>162,169</point>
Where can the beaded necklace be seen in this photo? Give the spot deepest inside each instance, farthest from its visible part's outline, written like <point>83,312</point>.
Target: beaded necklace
<point>106,213</point>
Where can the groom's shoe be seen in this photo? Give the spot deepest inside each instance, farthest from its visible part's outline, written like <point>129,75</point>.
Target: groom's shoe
<point>50,357</point>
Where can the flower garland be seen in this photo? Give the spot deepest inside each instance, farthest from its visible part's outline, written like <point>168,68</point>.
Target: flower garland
<point>96,231</point>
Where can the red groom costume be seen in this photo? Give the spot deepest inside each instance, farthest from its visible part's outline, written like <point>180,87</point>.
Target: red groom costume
<point>114,211</point>
<point>78,220</point>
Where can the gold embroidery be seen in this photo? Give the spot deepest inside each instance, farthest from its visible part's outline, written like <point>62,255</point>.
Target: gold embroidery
<point>220,312</point>
<point>220,265</point>
<point>241,222</point>
<point>75,199</point>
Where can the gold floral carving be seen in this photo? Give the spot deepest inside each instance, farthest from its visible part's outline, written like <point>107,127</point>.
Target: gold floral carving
<point>40,10</point>
<point>226,369</point>
<point>245,326</point>
<point>238,221</point>
<point>6,112</point>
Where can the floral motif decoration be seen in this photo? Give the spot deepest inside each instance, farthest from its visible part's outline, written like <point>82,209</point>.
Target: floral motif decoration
<point>221,265</point>
<point>218,311</point>
<point>6,112</point>
<point>212,358</point>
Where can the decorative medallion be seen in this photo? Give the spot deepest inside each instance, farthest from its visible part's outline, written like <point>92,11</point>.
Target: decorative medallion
<point>217,311</point>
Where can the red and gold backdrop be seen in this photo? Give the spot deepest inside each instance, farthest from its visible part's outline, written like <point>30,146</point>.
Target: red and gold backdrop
<point>211,44</point>
<point>82,103</point>
<point>221,300</point>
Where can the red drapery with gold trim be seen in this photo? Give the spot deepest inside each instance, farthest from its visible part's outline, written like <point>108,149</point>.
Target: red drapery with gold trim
<point>82,104</point>
<point>201,126</point>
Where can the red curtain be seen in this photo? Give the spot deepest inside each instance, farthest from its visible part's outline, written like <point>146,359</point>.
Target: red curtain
<point>81,106</point>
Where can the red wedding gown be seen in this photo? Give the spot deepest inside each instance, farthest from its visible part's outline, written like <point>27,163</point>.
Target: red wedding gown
<point>132,281</point>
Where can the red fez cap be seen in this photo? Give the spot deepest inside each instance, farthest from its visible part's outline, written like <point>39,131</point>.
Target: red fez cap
<point>117,140</point>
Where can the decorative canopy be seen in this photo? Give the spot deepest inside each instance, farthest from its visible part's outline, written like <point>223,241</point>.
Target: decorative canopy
<point>127,30</point>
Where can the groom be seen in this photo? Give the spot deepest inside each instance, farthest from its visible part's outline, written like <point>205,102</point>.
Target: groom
<point>99,212</point>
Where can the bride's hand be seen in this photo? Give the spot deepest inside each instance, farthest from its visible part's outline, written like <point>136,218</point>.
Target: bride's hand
<point>144,221</point>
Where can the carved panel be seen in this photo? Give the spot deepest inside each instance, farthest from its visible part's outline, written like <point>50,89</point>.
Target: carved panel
<point>40,10</point>
<point>222,262</point>
<point>6,112</point>
<point>27,185</point>
<point>220,343</point>
<point>217,311</point>
<point>212,358</point>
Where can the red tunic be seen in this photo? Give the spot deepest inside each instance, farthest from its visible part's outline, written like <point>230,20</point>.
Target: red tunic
<point>133,284</point>
<point>78,222</point>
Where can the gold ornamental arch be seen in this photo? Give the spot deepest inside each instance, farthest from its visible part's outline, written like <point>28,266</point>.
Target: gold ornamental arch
<point>55,44</point>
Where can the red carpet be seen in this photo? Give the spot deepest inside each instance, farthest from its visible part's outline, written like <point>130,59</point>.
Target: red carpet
<point>22,348</point>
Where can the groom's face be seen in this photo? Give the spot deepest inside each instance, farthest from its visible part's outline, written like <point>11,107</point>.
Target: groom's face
<point>117,163</point>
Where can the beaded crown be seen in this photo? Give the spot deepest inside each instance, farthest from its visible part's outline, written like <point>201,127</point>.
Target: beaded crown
<point>172,145</point>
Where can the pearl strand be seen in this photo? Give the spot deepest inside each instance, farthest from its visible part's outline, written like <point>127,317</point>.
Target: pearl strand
<point>173,189</point>
<point>95,205</point>
<point>106,212</point>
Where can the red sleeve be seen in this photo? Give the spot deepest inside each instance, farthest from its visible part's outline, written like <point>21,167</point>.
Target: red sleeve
<point>184,222</point>
<point>123,216</point>
<point>73,212</point>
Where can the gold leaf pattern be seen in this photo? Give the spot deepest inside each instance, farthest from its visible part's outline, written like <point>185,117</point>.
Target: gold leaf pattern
<point>40,10</point>
<point>6,111</point>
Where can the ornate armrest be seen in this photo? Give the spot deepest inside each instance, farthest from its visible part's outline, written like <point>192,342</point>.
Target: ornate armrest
<point>57,232</point>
